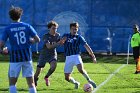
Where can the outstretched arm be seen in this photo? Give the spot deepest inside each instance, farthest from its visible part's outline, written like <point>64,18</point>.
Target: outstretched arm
<point>90,52</point>
<point>60,42</point>
<point>35,39</point>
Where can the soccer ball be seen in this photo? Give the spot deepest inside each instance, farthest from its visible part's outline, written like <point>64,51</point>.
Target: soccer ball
<point>88,87</point>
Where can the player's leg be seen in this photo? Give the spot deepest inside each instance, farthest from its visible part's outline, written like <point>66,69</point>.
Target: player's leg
<point>36,75</point>
<point>31,85</point>
<point>80,67</point>
<point>72,80</point>
<point>52,68</point>
<point>27,71</point>
<point>69,63</point>
<point>12,85</point>
<point>14,71</point>
<point>41,64</point>
<point>136,58</point>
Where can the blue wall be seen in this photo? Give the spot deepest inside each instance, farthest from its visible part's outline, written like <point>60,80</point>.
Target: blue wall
<point>105,24</point>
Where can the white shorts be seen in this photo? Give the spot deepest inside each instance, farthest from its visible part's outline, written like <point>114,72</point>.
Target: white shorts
<point>72,61</point>
<point>15,69</point>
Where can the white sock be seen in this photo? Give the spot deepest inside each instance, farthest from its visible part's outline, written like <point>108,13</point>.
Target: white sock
<point>72,80</point>
<point>32,90</point>
<point>13,89</point>
<point>86,76</point>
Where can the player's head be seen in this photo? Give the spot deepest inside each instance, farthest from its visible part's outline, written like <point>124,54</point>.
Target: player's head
<point>52,26</point>
<point>136,28</point>
<point>15,13</point>
<point>74,28</point>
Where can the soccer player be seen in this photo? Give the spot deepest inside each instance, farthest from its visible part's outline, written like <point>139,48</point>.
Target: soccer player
<point>135,44</point>
<point>73,58</point>
<point>48,53</point>
<point>20,35</point>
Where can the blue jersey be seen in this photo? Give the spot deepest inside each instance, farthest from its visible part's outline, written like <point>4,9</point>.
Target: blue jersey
<point>72,44</point>
<point>18,34</point>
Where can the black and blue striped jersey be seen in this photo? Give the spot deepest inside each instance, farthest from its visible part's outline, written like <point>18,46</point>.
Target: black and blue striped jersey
<point>19,35</point>
<point>72,44</point>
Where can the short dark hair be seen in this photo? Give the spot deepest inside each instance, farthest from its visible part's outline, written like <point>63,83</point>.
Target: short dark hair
<point>52,23</point>
<point>75,24</point>
<point>15,13</point>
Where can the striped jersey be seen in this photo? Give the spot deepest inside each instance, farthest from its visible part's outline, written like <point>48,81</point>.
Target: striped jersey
<point>72,44</point>
<point>18,34</point>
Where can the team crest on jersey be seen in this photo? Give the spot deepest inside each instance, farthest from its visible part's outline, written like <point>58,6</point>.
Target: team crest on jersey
<point>74,38</point>
<point>70,40</point>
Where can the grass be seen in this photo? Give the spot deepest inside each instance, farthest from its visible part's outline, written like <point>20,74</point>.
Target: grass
<point>125,81</point>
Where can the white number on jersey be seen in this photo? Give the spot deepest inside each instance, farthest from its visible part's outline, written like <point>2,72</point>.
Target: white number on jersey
<point>21,39</point>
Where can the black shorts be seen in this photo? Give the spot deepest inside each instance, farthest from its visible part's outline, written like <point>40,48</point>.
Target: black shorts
<point>136,52</point>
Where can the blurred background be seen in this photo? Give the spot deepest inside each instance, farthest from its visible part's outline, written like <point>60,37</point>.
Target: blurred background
<point>105,24</point>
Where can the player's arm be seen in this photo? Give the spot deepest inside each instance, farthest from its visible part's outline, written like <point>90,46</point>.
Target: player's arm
<point>90,52</point>
<point>55,44</point>
<point>35,39</point>
<point>50,46</point>
<point>3,50</point>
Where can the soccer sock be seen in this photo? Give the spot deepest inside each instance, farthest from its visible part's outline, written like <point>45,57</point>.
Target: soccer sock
<point>72,80</point>
<point>86,76</point>
<point>32,90</point>
<point>49,73</point>
<point>13,89</point>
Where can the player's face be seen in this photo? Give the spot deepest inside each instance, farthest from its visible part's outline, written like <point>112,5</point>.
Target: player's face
<point>53,29</point>
<point>73,30</point>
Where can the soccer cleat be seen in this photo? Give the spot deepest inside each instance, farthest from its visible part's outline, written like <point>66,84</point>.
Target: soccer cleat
<point>137,72</point>
<point>77,84</point>
<point>35,81</point>
<point>47,81</point>
<point>92,83</point>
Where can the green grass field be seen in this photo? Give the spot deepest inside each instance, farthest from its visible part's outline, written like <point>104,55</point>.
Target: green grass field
<point>125,81</point>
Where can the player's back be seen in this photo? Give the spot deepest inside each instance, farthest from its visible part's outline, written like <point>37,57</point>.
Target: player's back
<point>19,34</point>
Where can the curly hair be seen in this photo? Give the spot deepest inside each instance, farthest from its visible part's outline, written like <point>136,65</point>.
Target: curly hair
<point>52,23</point>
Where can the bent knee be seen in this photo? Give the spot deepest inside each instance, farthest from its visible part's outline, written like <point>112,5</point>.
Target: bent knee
<point>81,71</point>
<point>67,78</point>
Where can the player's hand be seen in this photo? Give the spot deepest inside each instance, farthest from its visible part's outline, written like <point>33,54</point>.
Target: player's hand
<point>32,40</point>
<point>62,40</point>
<point>93,59</point>
<point>5,51</point>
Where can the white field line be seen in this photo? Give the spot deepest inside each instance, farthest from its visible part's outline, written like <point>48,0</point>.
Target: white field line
<point>111,75</point>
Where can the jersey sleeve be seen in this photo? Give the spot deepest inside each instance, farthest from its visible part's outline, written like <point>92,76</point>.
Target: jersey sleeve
<point>32,31</point>
<point>82,41</point>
